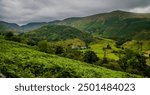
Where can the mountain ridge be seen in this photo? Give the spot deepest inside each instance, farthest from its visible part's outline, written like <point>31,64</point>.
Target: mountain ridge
<point>104,13</point>
<point>116,24</point>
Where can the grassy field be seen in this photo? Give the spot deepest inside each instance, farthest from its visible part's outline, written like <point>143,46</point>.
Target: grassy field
<point>98,46</point>
<point>19,60</point>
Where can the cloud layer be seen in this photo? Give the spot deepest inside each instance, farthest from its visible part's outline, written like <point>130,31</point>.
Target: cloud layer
<point>25,11</point>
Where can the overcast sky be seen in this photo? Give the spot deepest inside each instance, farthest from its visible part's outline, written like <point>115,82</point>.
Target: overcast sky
<point>25,11</point>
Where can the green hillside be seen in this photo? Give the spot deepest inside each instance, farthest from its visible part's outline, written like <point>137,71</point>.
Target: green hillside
<point>57,33</point>
<point>6,27</point>
<point>19,60</point>
<point>116,24</point>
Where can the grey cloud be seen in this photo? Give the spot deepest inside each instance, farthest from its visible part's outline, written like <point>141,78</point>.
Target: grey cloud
<point>24,11</point>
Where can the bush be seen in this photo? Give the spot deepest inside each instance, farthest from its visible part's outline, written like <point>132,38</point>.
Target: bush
<point>15,38</point>
<point>73,54</point>
<point>59,50</point>
<point>31,42</point>
<point>43,46</point>
<point>90,57</point>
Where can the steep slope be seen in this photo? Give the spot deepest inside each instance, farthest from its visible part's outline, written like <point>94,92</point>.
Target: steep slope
<point>19,60</point>
<point>116,24</point>
<point>57,33</point>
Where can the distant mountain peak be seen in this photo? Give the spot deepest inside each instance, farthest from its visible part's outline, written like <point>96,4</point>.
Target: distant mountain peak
<point>119,11</point>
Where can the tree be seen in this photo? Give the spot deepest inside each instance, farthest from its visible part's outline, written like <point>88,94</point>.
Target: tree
<point>90,57</point>
<point>133,62</point>
<point>108,46</point>
<point>105,50</point>
<point>9,35</point>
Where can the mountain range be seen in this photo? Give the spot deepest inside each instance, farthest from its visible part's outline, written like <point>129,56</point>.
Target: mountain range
<point>116,25</point>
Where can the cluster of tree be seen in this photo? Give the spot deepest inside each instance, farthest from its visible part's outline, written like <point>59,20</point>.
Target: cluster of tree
<point>54,48</point>
<point>129,61</point>
<point>17,38</point>
<point>134,63</point>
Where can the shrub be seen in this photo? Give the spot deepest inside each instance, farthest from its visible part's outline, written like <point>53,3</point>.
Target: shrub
<point>9,35</point>
<point>43,46</point>
<point>16,38</point>
<point>73,54</point>
<point>59,50</point>
<point>133,62</point>
<point>90,57</point>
